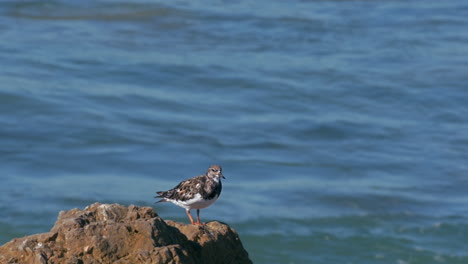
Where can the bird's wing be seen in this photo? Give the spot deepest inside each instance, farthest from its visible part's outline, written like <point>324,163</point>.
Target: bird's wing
<point>186,190</point>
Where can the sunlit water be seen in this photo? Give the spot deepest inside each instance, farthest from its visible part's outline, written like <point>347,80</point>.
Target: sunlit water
<point>341,126</point>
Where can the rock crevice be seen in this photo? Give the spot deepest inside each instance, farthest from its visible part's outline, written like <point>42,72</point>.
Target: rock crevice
<point>112,233</point>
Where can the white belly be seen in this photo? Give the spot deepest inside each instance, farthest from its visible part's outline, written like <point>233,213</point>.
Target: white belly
<point>196,202</point>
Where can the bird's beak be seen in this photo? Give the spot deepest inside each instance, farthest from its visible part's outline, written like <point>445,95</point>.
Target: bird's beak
<point>222,176</point>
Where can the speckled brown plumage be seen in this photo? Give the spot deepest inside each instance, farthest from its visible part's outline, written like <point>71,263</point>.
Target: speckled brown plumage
<point>187,189</point>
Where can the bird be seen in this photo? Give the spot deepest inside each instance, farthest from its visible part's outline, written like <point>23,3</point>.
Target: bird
<point>195,193</point>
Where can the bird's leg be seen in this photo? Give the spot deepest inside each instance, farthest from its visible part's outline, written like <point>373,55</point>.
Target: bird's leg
<point>198,218</point>
<point>190,217</point>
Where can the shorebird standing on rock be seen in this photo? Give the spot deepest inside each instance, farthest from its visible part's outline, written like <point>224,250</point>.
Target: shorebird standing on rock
<point>195,193</point>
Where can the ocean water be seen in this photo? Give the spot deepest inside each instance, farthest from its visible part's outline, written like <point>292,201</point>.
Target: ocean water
<point>341,126</point>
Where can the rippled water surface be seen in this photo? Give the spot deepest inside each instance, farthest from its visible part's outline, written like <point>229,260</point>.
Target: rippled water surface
<point>341,126</point>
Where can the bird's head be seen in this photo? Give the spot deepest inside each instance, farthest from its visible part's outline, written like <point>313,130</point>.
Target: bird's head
<point>215,171</point>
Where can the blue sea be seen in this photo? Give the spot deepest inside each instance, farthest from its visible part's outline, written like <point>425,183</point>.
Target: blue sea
<point>341,126</point>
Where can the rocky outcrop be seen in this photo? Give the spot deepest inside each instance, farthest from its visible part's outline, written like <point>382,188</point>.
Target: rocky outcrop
<point>112,233</point>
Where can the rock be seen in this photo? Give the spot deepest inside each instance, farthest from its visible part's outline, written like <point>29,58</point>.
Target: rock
<point>112,233</point>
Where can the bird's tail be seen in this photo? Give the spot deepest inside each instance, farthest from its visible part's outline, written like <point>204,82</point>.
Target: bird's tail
<point>161,195</point>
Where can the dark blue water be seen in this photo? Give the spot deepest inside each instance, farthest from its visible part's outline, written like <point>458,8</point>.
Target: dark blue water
<point>341,126</point>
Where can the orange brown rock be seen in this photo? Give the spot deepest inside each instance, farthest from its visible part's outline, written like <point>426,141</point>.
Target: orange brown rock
<point>112,233</point>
